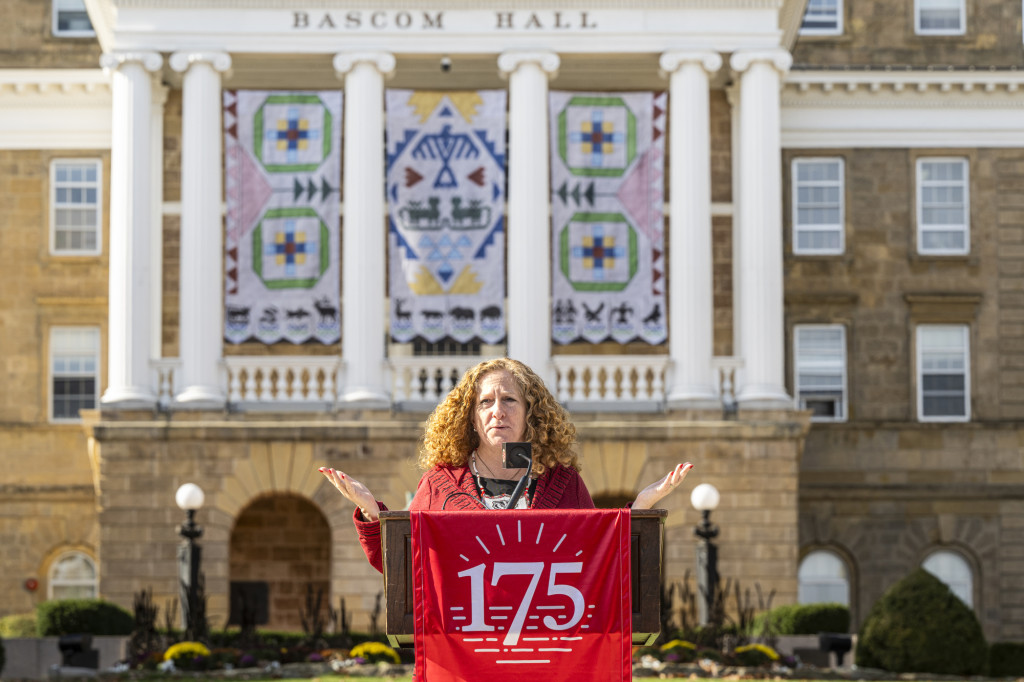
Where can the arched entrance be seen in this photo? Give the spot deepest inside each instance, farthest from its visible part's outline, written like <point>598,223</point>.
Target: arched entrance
<point>280,545</point>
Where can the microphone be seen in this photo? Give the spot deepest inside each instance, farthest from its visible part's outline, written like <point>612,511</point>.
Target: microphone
<point>515,456</point>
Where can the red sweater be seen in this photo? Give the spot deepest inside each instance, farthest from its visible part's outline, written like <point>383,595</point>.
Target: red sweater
<point>454,488</point>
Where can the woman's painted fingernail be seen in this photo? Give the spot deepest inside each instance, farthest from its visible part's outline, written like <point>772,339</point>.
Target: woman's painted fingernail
<point>342,475</point>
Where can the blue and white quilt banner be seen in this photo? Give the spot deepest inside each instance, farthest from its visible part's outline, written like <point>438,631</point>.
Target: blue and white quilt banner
<point>282,174</point>
<point>446,196</point>
<point>608,236</point>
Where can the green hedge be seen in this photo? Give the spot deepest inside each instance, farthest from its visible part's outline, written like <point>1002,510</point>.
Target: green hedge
<point>93,616</point>
<point>18,625</point>
<point>803,619</point>
<point>1006,659</point>
<point>920,626</point>
<point>3,656</point>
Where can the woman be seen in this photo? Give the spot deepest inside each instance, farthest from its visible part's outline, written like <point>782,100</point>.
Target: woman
<point>497,401</point>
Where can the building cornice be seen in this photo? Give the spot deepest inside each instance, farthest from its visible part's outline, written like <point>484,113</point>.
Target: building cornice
<point>833,83</point>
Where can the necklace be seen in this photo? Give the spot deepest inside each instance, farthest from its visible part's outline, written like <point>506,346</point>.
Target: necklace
<point>476,472</point>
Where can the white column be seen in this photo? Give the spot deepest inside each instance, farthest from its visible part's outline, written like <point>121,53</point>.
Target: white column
<point>363,272</point>
<point>760,219</point>
<point>691,298</point>
<point>202,232</point>
<point>132,230</point>
<point>529,224</point>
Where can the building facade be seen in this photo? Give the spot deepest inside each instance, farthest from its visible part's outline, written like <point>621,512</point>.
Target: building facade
<point>843,283</point>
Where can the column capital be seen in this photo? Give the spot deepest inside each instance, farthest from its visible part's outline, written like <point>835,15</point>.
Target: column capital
<point>150,61</point>
<point>778,58</point>
<point>673,60</point>
<point>182,61</point>
<point>509,62</point>
<point>344,62</point>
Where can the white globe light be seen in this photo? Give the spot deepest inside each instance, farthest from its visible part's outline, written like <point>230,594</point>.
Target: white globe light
<point>705,497</point>
<point>189,496</point>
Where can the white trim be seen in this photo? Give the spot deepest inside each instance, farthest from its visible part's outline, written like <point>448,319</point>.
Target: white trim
<point>961,22</point>
<point>837,30</point>
<point>54,109</point>
<point>50,373</point>
<point>839,227</point>
<point>918,191</point>
<point>52,200</point>
<point>907,109</point>
<point>843,412</point>
<point>965,329</point>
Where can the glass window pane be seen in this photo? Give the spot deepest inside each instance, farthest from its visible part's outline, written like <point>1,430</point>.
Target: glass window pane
<point>822,577</point>
<point>953,570</point>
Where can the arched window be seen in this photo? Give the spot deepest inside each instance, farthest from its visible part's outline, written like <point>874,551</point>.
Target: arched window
<point>823,578</point>
<point>954,571</point>
<point>73,576</point>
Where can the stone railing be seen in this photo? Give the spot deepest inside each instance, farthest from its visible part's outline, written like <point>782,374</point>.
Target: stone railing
<point>621,383</point>
<point>618,383</point>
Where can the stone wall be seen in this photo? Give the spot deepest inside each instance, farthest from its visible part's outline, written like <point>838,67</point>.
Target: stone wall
<point>27,40</point>
<point>880,33</point>
<point>243,460</point>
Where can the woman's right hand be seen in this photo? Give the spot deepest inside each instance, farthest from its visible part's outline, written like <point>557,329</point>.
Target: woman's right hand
<point>354,491</point>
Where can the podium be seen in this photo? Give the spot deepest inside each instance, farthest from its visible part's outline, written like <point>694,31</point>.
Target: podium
<point>645,574</point>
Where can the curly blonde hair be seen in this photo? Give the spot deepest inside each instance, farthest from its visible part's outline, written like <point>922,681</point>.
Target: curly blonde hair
<point>450,435</point>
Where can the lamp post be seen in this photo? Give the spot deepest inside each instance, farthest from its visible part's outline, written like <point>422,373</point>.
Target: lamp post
<point>704,499</point>
<point>190,498</point>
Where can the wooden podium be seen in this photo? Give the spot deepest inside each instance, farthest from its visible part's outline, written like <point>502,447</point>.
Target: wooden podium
<point>645,571</point>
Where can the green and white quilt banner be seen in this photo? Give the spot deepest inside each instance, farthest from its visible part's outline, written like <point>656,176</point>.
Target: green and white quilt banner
<point>608,236</point>
<point>446,197</point>
<point>282,175</point>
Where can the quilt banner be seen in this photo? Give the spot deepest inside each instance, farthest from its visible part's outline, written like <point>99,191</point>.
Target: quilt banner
<point>446,198</point>
<point>282,173</point>
<point>522,595</point>
<point>608,236</point>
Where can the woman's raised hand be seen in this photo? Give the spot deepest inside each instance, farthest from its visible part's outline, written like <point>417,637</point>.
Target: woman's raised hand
<point>354,491</point>
<point>649,496</point>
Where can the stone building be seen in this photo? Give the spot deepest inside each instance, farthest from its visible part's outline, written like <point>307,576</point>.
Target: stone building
<point>844,257</point>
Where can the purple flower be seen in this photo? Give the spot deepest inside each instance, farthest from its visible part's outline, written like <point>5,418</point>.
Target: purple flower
<point>315,657</point>
<point>247,661</point>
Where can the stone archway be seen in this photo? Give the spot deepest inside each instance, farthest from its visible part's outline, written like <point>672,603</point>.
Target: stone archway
<point>280,546</point>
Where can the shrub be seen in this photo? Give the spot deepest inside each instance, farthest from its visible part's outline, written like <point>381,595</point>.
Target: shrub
<point>803,619</point>
<point>375,652</point>
<point>18,625</point>
<point>1006,659</point>
<point>753,655</point>
<point>71,616</point>
<point>3,656</point>
<point>919,625</point>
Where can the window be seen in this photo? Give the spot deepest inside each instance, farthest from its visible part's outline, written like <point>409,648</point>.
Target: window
<point>943,373</point>
<point>73,576</point>
<point>818,206</point>
<point>74,368</point>
<point>75,207</point>
<point>954,571</point>
<point>819,363</point>
<point>70,20</point>
<point>822,577</point>
<point>823,18</point>
<point>939,17</point>
<point>942,206</point>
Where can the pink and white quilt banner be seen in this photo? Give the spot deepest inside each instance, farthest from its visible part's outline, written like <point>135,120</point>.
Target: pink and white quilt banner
<point>446,198</point>
<point>608,236</point>
<point>283,171</point>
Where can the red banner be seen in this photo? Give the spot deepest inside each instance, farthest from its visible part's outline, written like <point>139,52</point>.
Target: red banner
<point>522,595</point>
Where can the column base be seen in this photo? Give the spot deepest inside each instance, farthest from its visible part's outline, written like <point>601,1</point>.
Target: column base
<point>200,398</point>
<point>364,398</point>
<point>128,398</point>
<point>693,398</point>
<point>764,397</point>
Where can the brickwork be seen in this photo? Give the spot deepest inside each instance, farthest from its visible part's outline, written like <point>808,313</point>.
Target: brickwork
<point>27,40</point>
<point>880,33</point>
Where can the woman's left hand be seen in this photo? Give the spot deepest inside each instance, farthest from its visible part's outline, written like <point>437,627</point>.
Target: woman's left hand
<point>649,496</point>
